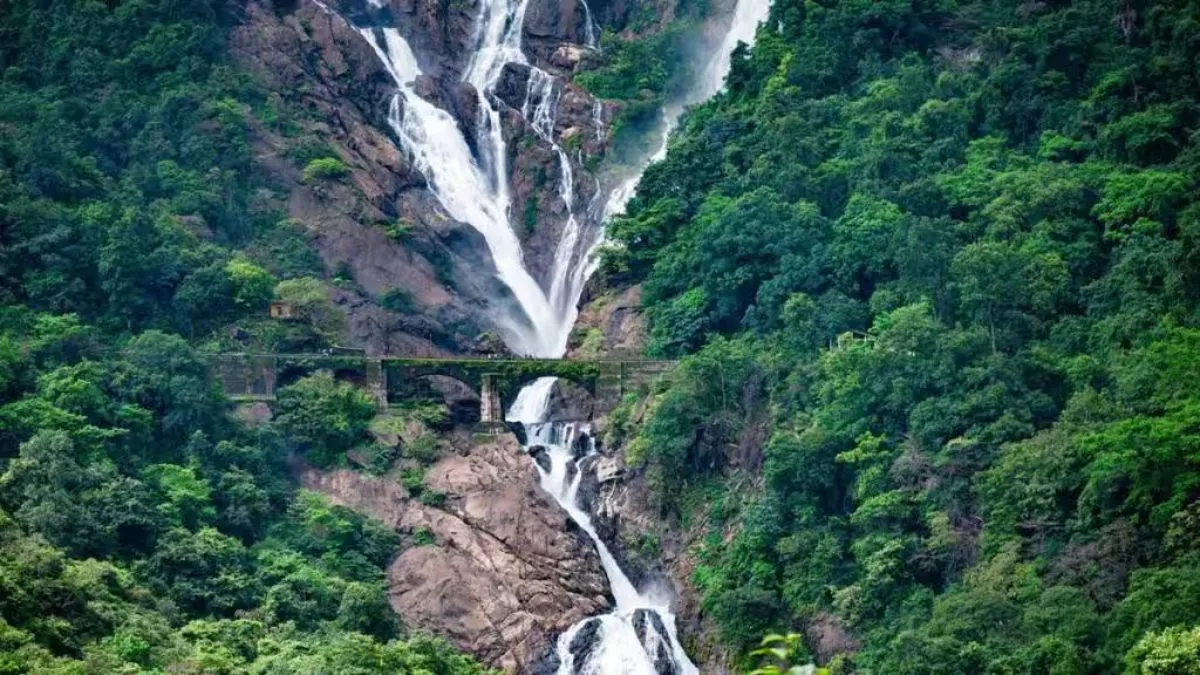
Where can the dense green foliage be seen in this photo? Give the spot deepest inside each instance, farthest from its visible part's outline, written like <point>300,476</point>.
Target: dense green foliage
<point>642,72</point>
<point>326,417</point>
<point>937,266</point>
<point>127,180</point>
<point>143,529</point>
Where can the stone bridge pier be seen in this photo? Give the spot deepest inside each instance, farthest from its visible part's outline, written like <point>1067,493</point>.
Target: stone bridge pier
<point>491,409</point>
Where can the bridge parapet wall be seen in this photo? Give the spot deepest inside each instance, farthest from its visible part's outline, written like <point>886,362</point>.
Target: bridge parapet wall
<point>258,376</point>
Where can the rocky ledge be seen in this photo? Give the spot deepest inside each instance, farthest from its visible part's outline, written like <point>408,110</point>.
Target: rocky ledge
<point>506,570</point>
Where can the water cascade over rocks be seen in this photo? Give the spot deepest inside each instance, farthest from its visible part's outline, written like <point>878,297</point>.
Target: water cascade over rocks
<point>746,17</point>
<point>639,635</point>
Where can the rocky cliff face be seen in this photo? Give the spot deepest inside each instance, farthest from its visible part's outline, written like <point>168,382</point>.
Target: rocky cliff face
<point>505,571</point>
<point>337,93</point>
<point>381,230</point>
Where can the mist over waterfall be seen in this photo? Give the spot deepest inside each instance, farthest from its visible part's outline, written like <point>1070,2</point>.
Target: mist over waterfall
<point>746,17</point>
<point>639,634</point>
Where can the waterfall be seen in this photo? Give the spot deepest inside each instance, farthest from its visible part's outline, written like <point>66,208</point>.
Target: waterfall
<point>638,636</point>
<point>473,187</point>
<point>747,15</point>
<point>467,190</point>
<point>568,271</point>
<point>590,38</point>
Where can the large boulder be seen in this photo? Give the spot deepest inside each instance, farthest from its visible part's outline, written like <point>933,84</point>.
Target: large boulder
<point>506,572</point>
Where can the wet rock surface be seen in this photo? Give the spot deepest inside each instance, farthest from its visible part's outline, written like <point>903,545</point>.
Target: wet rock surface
<point>617,315</point>
<point>645,621</point>
<point>585,641</point>
<point>539,455</point>
<point>570,403</point>
<point>505,574</point>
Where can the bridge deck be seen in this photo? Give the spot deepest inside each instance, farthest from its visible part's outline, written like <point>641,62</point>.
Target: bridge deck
<point>430,359</point>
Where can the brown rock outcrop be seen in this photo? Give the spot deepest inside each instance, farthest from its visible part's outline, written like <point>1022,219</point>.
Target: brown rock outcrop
<point>618,316</point>
<point>506,573</point>
<point>338,93</point>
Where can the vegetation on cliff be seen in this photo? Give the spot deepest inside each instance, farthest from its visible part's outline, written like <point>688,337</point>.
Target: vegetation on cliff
<point>650,61</point>
<point>935,269</point>
<point>142,530</point>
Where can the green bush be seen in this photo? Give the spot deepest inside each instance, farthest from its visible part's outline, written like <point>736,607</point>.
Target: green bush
<point>379,458</point>
<point>434,498</point>
<point>399,230</point>
<point>325,417</point>
<point>325,168</point>
<point>413,480</point>
<point>399,301</point>
<point>425,449</point>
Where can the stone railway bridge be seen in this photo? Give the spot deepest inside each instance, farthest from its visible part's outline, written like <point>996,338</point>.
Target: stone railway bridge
<point>256,377</point>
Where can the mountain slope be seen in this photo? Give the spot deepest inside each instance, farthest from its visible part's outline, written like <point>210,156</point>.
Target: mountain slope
<point>934,266</point>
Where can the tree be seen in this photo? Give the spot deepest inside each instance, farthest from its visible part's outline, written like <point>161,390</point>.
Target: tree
<point>323,416</point>
<point>253,287</point>
<point>1174,651</point>
<point>326,322</point>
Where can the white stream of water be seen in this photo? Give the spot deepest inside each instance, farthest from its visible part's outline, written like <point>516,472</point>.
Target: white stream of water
<point>747,15</point>
<point>638,636</point>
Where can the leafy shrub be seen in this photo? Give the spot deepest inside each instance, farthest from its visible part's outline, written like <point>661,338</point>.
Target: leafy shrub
<point>379,458</point>
<point>323,416</point>
<point>398,300</point>
<point>325,168</point>
<point>399,230</point>
<point>413,480</point>
<point>434,498</point>
<point>425,449</point>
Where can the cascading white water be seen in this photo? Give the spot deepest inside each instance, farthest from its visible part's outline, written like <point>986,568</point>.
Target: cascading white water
<point>590,38</point>
<point>747,15</point>
<point>541,99</point>
<point>639,635</point>
<point>618,648</point>
<point>469,194</point>
<point>475,190</point>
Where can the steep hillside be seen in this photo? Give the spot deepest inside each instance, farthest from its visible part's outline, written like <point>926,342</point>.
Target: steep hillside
<point>170,170</point>
<point>933,269</point>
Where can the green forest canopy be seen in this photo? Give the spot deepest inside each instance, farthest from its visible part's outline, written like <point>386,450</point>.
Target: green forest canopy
<point>142,530</point>
<point>945,258</point>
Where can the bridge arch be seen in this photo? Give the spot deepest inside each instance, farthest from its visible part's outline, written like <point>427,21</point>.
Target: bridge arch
<point>462,398</point>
